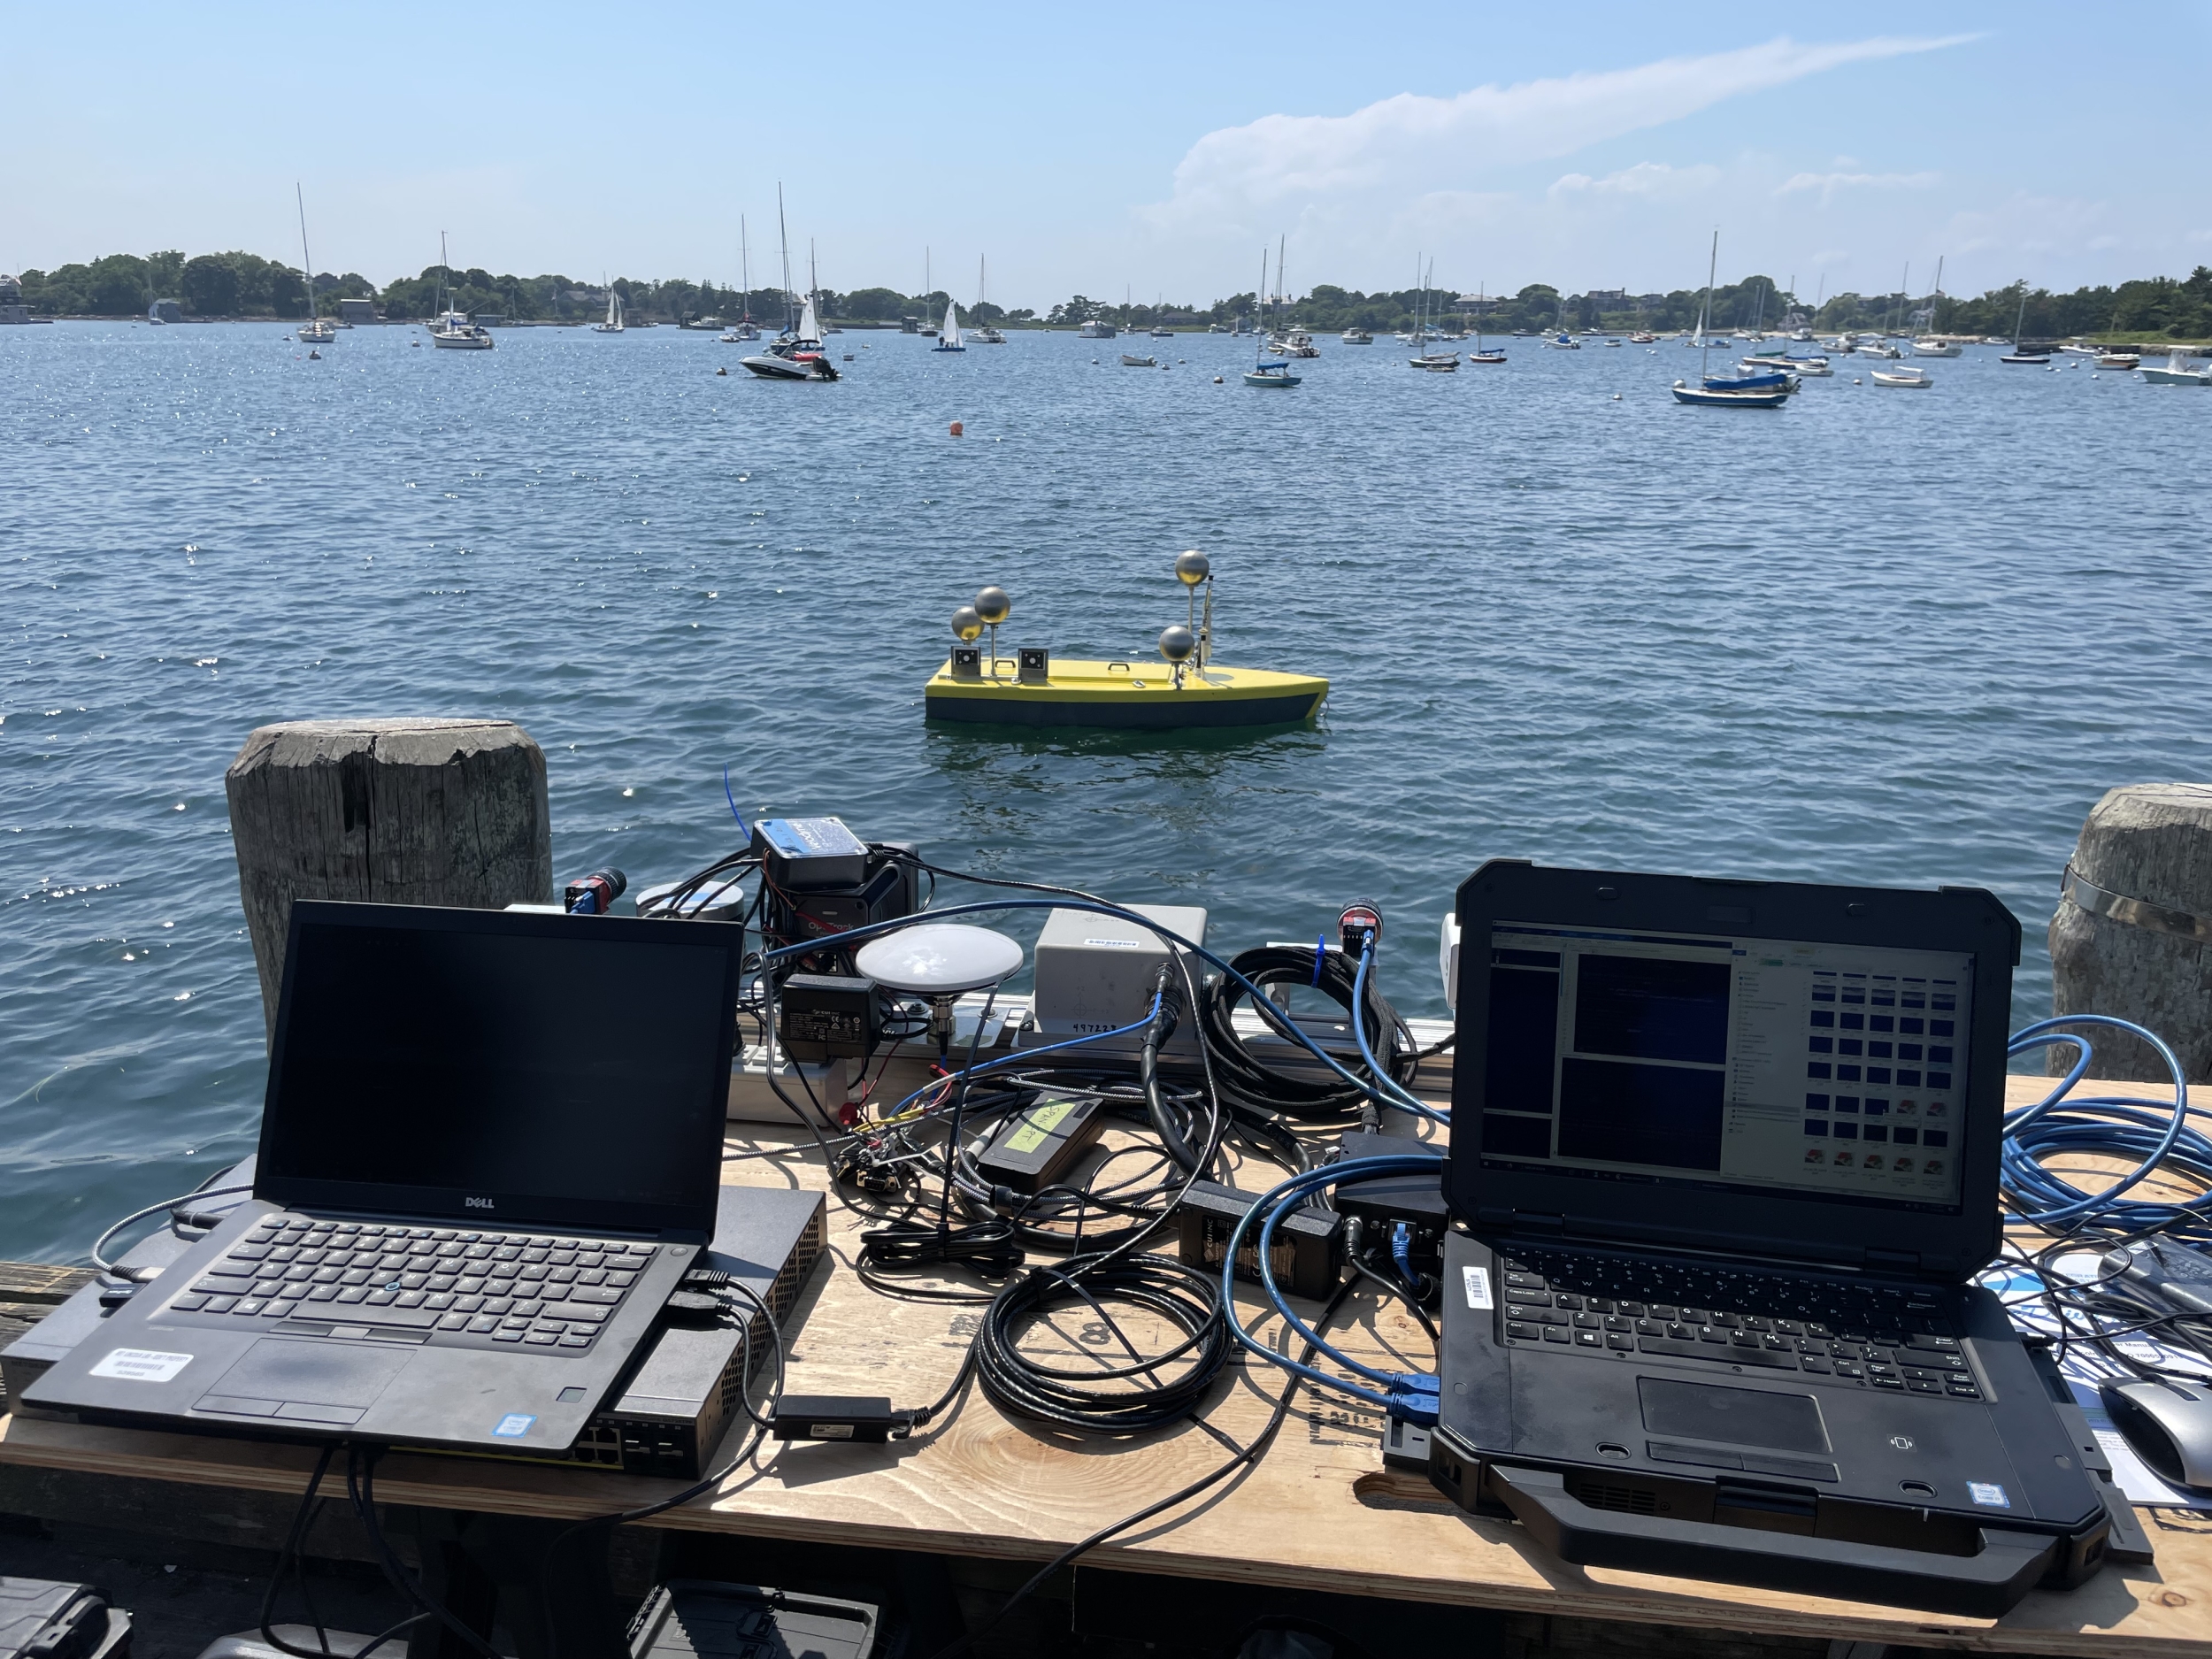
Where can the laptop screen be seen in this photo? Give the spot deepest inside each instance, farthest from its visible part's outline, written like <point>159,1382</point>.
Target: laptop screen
<point>503,1066</point>
<point>1814,1070</point>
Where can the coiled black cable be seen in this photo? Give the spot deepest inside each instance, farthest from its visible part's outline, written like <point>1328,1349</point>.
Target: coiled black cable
<point>1159,1389</point>
<point>1249,1084</point>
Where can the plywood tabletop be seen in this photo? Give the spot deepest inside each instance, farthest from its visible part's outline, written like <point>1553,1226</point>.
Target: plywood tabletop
<point>1318,1511</point>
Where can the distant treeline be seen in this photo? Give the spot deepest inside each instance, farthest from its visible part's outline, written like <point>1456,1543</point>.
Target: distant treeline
<point>240,284</point>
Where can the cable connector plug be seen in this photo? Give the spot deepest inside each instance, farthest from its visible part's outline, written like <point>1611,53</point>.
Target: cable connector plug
<point>1416,1382</point>
<point>1419,1409</point>
<point>866,1418</point>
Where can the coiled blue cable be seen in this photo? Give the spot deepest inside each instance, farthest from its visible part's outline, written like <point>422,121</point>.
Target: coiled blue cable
<point>1401,1096</point>
<point>2149,1131</point>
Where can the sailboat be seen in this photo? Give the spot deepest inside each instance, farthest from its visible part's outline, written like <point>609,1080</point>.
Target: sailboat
<point>1750,391</point>
<point>2020,353</point>
<point>983,334</point>
<point>1266,372</point>
<point>797,353</point>
<point>1928,345</point>
<point>613,325</point>
<point>1434,362</point>
<point>948,335</point>
<point>744,328</point>
<point>1495,354</point>
<point>316,331</point>
<point>453,331</point>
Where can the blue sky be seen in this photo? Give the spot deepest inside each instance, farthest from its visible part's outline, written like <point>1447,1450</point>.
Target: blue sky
<point>1594,147</point>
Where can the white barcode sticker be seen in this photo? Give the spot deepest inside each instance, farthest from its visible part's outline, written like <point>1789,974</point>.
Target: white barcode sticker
<point>1478,1288</point>
<point>140,1365</point>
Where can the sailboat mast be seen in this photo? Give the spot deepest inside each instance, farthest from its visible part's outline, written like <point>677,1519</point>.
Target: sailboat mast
<point>1938,300</point>
<point>783,234</point>
<point>745,268</point>
<point>306,260</point>
<point>1705,311</point>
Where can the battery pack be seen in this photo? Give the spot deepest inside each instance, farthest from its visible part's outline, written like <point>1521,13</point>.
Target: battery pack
<point>828,1017</point>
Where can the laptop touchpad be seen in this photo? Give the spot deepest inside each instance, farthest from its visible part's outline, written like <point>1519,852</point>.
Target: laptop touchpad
<point>303,1382</point>
<point>1741,1416</point>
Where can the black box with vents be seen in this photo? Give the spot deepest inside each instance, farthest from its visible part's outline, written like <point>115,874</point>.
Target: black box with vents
<point>1307,1257</point>
<point>828,1017</point>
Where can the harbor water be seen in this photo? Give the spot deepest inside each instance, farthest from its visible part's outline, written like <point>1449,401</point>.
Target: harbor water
<point>1879,636</point>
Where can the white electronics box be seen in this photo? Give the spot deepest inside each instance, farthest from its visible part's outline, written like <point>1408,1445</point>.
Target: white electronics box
<point>1094,974</point>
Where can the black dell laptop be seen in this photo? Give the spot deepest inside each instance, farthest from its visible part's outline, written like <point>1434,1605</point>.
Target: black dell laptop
<point>490,1148</point>
<point>1723,1165</point>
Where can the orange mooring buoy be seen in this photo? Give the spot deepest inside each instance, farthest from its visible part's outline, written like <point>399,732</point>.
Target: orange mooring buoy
<point>956,429</point>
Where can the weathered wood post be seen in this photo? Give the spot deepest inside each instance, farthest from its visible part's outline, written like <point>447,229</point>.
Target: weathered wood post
<point>2133,933</point>
<point>404,811</point>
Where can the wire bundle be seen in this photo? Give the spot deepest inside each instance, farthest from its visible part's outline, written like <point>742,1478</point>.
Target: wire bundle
<point>1158,1390</point>
<point>1250,1083</point>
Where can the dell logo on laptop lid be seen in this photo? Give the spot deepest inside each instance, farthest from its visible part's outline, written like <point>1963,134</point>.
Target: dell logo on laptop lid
<point>479,1203</point>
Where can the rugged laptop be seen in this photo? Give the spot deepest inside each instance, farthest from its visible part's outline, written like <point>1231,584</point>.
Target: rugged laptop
<point>1723,1164</point>
<point>490,1148</point>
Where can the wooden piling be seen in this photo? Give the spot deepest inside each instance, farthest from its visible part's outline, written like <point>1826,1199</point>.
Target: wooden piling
<point>2133,936</point>
<point>400,811</point>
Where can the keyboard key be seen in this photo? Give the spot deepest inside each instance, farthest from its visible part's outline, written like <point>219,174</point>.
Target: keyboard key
<point>541,1339</point>
<point>482,1324</point>
<point>352,1294</point>
<point>1522,1332</point>
<point>191,1301</point>
<point>1555,1333</point>
<point>1660,1345</point>
<point>1625,1344</point>
<point>507,1336</point>
<point>219,1304</point>
<point>249,1307</point>
<point>572,1341</point>
<point>596,1293</point>
<point>1590,1339</point>
<point>453,1322</point>
<point>1919,1387</point>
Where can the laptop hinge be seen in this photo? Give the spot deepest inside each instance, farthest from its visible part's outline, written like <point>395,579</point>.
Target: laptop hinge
<point>1550,1226</point>
<point>1902,1262</point>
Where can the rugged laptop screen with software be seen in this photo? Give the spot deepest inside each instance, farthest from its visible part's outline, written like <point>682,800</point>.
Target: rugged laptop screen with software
<point>502,1064</point>
<point>1826,1072</point>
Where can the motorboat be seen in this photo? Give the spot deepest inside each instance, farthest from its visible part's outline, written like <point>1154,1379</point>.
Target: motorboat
<point>1908,378</point>
<point>1931,347</point>
<point>2121,360</point>
<point>1129,360</point>
<point>795,356</point>
<point>2075,349</point>
<point>739,333</point>
<point>1096,328</point>
<point>1298,343</point>
<point>1641,338</point>
<point>1877,349</point>
<point>1563,343</point>
<point>2176,373</point>
<point>1356,337</point>
<point>700,325</point>
<point>987,336</point>
<point>1161,331</point>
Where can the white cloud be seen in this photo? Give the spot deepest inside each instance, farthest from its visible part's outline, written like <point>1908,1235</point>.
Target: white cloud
<point>1280,161</point>
<point>1829,183</point>
<point>1651,179</point>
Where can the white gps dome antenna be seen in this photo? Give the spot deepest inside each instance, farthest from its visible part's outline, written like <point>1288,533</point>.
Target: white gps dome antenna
<point>938,961</point>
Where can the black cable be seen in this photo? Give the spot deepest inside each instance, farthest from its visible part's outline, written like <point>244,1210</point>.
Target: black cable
<point>1186,1297</point>
<point>1249,1082</point>
<point>361,1487</point>
<point>1247,1455</point>
<point>289,1556</point>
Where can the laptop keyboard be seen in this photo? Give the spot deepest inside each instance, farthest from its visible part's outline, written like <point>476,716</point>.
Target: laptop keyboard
<point>1875,1336</point>
<point>439,1285</point>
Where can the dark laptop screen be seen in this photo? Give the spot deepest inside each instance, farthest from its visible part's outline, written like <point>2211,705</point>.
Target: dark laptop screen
<point>507,1066</point>
<point>1820,1071</point>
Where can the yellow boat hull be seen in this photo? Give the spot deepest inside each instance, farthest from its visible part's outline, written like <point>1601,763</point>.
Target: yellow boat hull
<point>1125,696</point>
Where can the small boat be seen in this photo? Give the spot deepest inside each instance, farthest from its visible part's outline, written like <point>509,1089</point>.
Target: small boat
<point>2075,349</point>
<point>1097,329</point>
<point>1356,337</point>
<point>700,325</point>
<point>1722,397</point>
<point>2020,353</point>
<point>316,331</point>
<point>1910,378</point>
<point>739,333</point>
<point>987,336</point>
<point>797,354</point>
<point>1267,373</point>
<point>1128,361</point>
<point>1753,391</point>
<point>1563,343</point>
<point>2032,359</point>
<point>2122,360</point>
<point>1161,332</point>
<point>1494,354</point>
<point>976,685</point>
<point>1435,361</point>
<point>453,331</point>
<point>1877,349</point>
<point>1298,343</point>
<point>1643,339</point>
<point>613,325</point>
<point>1432,361</point>
<point>948,337</point>
<point>1931,347</point>
<point>2176,373</point>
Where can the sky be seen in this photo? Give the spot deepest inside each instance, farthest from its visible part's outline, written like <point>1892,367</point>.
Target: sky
<point>1152,156</point>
